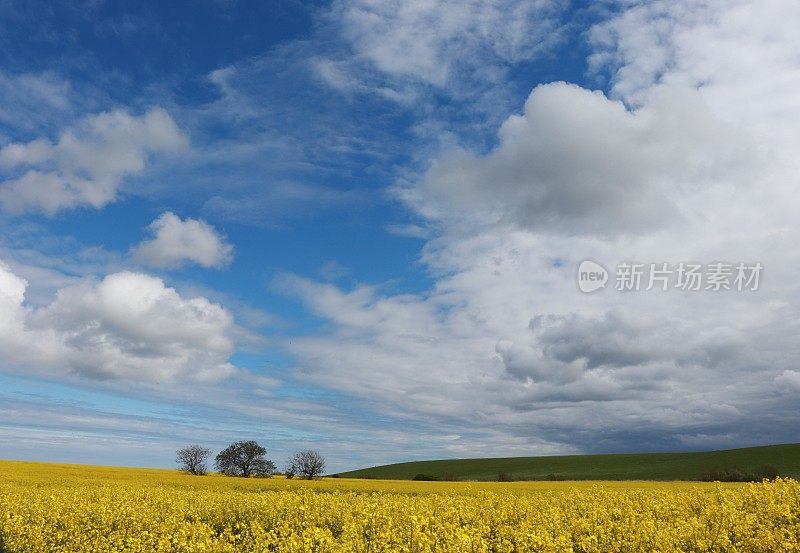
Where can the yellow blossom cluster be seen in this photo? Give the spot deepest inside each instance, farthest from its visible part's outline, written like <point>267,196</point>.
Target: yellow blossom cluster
<point>61,508</point>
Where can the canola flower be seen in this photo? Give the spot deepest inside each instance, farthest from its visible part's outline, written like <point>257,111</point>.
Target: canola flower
<point>61,508</point>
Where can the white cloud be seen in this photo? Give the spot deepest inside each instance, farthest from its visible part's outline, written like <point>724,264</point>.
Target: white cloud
<point>178,241</point>
<point>87,164</point>
<point>20,344</point>
<point>127,326</point>
<point>575,162</point>
<point>15,339</point>
<point>414,54</point>
<point>743,48</point>
<point>30,101</point>
<point>431,40</point>
<point>739,55</point>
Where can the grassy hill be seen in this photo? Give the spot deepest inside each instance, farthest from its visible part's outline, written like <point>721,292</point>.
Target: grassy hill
<point>637,466</point>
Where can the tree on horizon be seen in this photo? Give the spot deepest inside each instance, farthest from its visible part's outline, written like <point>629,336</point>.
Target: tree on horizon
<point>245,459</point>
<point>193,459</point>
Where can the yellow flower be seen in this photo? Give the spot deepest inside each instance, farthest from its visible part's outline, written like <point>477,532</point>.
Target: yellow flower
<point>62,508</point>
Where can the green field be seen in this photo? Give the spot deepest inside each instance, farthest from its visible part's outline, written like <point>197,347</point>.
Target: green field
<point>637,466</point>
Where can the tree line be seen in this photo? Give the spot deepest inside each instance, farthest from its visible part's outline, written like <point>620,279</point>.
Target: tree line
<point>246,459</point>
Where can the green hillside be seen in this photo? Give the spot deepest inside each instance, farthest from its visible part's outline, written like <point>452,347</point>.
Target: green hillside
<point>638,466</point>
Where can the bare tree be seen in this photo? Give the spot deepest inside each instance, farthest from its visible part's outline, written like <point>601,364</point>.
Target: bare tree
<point>307,463</point>
<point>193,459</point>
<point>244,459</point>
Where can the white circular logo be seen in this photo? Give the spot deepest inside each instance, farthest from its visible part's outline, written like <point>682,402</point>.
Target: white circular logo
<point>591,276</point>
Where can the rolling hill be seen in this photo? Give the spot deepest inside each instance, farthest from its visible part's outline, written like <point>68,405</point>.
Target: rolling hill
<point>623,466</point>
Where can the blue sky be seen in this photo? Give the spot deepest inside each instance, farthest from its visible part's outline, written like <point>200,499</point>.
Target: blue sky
<point>355,226</point>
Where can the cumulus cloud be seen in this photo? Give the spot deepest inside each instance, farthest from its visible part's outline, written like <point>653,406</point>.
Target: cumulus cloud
<point>15,338</point>
<point>178,241</point>
<point>614,340</point>
<point>631,346</point>
<point>563,348</point>
<point>576,162</point>
<point>88,162</point>
<point>127,326</point>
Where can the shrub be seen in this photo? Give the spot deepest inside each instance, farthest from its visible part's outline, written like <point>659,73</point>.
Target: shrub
<point>425,478</point>
<point>505,477</point>
<point>765,472</point>
<point>768,472</point>
<point>555,477</point>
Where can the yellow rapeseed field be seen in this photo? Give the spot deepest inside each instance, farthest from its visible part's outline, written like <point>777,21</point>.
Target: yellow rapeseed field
<point>68,508</point>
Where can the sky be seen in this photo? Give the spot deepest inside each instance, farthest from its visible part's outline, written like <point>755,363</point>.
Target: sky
<point>356,226</point>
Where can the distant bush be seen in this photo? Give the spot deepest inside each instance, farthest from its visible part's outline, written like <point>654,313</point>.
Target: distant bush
<point>425,478</point>
<point>335,476</point>
<point>505,477</point>
<point>450,477</point>
<point>769,472</point>
<point>765,472</point>
<point>367,477</point>
<point>727,475</point>
<point>555,477</point>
